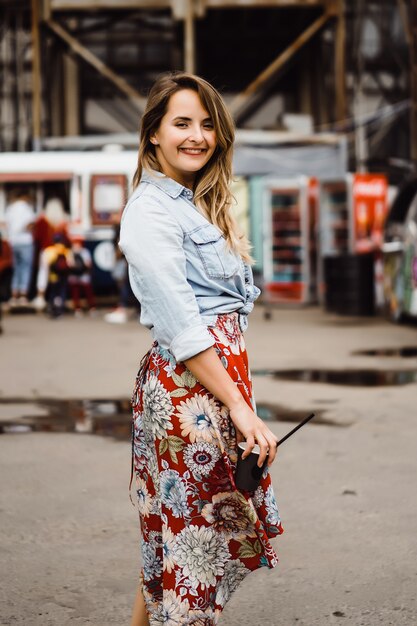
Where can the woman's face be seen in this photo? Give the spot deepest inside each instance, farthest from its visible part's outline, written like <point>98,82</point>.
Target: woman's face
<point>185,139</point>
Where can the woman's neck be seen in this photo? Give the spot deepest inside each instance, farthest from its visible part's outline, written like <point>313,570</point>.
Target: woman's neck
<point>183,179</point>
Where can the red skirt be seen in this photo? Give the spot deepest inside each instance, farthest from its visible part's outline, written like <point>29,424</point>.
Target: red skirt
<point>200,535</point>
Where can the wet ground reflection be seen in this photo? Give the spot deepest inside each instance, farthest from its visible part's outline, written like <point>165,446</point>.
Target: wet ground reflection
<point>98,417</point>
<point>405,352</point>
<point>105,417</point>
<point>276,413</point>
<point>356,378</point>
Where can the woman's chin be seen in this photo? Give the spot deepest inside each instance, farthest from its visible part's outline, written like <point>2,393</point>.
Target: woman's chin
<point>193,166</point>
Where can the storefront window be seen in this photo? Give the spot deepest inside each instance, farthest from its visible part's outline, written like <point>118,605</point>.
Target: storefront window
<point>108,197</point>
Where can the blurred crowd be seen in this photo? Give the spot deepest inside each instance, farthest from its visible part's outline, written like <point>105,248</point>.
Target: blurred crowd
<point>43,268</point>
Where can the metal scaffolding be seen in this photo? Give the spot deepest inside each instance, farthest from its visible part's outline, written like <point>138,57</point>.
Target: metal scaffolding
<point>66,63</point>
<point>379,78</point>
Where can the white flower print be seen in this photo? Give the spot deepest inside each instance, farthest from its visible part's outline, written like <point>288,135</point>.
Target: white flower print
<point>152,564</point>
<point>144,498</point>
<point>228,432</point>
<point>258,497</point>
<point>201,457</point>
<point>153,607</point>
<point>155,537</point>
<point>140,447</point>
<point>151,465</point>
<point>229,514</point>
<point>205,617</point>
<point>228,333</point>
<point>201,552</point>
<point>173,493</point>
<point>157,407</point>
<point>197,416</point>
<point>174,610</point>
<point>272,516</point>
<point>168,541</point>
<point>155,507</point>
<point>234,573</point>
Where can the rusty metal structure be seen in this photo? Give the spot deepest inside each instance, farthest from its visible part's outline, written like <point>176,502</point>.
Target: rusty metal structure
<point>77,67</point>
<point>379,77</point>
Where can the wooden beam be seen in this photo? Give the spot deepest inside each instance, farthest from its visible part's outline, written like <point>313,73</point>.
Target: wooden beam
<point>101,67</point>
<point>241,101</point>
<point>257,4</point>
<point>189,38</point>
<point>45,10</point>
<point>413,68</point>
<point>36,78</point>
<point>108,5</point>
<point>71,95</point>
<point>402,7</point>
<point>340,64</point>
<point>95,5</point>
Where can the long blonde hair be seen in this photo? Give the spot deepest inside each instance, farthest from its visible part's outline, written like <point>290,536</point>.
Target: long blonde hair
<point>212,194</point>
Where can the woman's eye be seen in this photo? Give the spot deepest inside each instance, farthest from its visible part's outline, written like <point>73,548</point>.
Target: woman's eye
<point>181,125</point>
<point>209,126</point>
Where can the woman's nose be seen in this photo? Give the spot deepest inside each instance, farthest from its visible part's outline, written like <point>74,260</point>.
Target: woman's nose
<point>196,134</point>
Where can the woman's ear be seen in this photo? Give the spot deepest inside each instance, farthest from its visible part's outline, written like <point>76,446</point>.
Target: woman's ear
<point>154,140</point>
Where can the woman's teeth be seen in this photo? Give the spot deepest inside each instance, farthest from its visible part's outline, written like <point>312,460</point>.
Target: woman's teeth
<point>193,150</point>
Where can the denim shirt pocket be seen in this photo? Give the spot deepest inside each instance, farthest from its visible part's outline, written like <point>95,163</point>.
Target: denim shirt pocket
<point>218,260</point>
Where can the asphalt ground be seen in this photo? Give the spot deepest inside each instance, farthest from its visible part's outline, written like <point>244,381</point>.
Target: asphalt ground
<point>346,485</point>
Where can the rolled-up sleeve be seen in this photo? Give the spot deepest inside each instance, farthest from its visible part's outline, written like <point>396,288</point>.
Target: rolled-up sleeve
<point>152,242</point>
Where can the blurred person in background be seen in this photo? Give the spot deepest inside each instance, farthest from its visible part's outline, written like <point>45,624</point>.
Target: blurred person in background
<point>120,314</point>
<point>20,217</point>
<point>52,221</point>
<point>52,280</point>
<point>6,270</point>
<point>79,277</point>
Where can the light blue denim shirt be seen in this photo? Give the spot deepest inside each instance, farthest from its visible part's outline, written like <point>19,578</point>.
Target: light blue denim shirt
<point>180,267</point>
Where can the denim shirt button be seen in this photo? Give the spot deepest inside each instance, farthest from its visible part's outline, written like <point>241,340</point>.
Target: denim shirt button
<point>188,194</point>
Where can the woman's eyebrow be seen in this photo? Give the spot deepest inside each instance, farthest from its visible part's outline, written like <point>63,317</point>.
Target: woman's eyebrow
<point>188,119</point>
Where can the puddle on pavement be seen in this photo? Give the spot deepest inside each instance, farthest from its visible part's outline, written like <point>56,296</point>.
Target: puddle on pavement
<point>276,413</point>
<point>104,417</point>
<point>355,378</point>
<point>97,417</point>
<point>406,352</point>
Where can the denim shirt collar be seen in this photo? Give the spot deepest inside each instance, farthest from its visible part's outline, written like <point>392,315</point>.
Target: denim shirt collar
<point>166,184</point>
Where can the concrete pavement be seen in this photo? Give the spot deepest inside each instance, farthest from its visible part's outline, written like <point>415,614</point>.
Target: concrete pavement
<point>68,533</point>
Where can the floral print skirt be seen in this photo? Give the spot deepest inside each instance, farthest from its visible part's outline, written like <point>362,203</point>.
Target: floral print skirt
<point>200,535</point>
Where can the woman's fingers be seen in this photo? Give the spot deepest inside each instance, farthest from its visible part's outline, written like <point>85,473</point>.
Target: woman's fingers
<point>270,447</point>
<point>239,436</point>
<point>273,449</point>
<point>251,428</point>
<point>263,445</point>
<point>250,442</point>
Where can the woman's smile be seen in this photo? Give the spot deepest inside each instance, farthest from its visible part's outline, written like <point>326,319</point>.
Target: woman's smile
<point>186,130</point>
<point>193,151</point>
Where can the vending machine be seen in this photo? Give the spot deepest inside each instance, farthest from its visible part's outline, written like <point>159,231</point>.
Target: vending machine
<point>351,221</point>
<point>352,214</point>
<point>289,239</point>
<point>256,228</point>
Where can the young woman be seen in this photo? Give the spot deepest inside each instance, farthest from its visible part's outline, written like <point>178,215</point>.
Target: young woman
<point>190,269</point>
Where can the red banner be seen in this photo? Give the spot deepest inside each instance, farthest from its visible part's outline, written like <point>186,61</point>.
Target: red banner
<point>370,205</point>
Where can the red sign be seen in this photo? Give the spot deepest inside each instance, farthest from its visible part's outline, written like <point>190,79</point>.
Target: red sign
<point>370,205</point>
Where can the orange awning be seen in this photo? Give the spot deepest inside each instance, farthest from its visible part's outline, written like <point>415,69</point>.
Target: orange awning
<point>34,177</point>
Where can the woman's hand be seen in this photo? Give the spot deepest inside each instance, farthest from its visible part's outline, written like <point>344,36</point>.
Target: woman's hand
<point>209,371</point>
<point>251,428</point>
